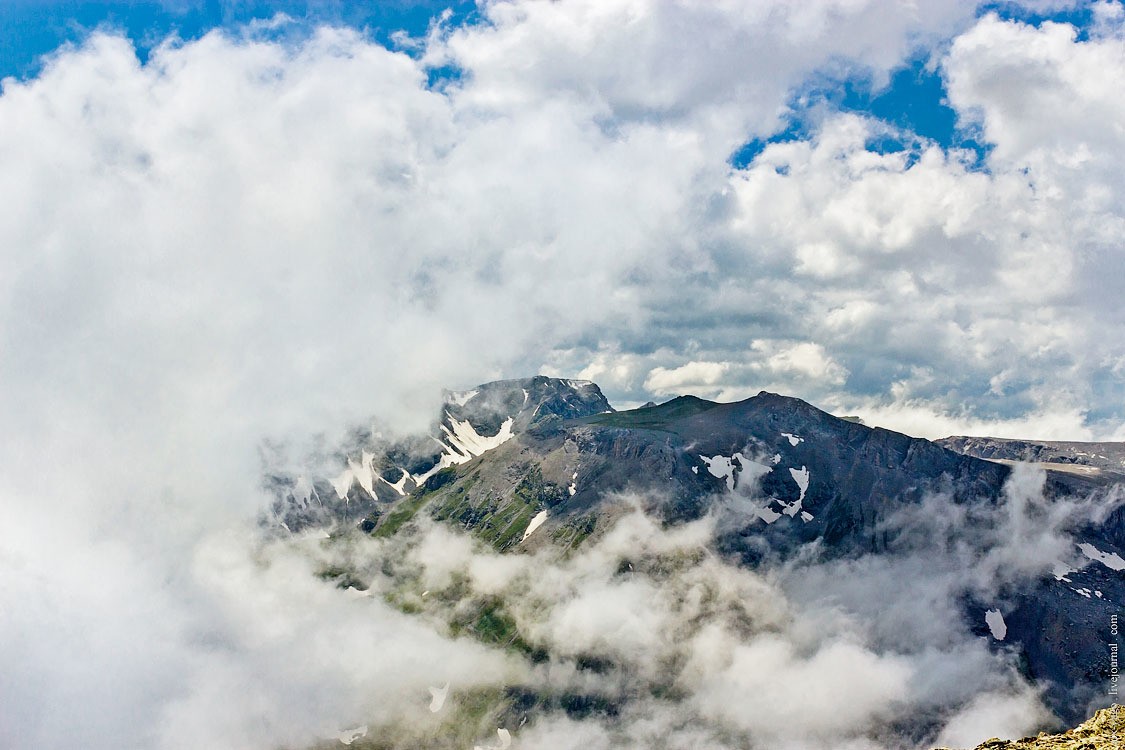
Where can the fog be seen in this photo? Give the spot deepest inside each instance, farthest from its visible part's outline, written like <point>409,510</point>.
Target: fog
<point>646,636</point>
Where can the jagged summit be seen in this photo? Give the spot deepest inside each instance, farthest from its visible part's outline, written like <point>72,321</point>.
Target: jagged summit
<point>478,420</point>
<point>525,401</point>
<point>470,423</point>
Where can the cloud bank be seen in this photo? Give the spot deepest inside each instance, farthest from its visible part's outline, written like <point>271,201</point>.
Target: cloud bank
<point>346,215</point>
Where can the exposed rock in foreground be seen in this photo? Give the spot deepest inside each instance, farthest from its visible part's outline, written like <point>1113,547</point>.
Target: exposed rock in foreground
<point>1104,731</point>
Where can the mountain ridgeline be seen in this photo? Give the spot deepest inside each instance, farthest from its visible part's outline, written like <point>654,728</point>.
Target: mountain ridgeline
<point>542,461</point>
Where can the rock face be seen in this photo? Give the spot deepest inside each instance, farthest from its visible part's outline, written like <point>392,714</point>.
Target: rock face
<point>1071,467</point>
<point>1105,456</point>
<point>1104,731</point>
<point>362,480</point>
<point>528,401</point>
<point>1062,623</point>
<point>802,473</point>
<point>523,463</point>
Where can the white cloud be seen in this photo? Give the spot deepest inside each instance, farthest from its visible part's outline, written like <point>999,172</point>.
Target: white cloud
<point>242,239</point>
<point>682,379</point>
<point>756,657</point>
<point>992,715</point>
<point>924,420</point>
<point>790,690</point>
<point>804,359</point>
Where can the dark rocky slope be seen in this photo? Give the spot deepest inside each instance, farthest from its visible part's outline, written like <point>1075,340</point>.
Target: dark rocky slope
<point>523,463</point>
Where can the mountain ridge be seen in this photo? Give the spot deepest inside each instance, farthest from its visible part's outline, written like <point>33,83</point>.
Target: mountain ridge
<point>524,463</point>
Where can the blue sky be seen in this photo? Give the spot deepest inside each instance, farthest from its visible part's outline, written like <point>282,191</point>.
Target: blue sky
<point>913,100</point>
<point>32,28</point>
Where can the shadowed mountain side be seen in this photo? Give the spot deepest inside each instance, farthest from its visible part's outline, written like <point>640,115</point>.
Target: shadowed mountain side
<point>1106,456</point>
<point>523,464</point>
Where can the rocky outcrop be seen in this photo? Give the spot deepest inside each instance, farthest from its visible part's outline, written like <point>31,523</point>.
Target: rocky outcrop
<point>1105,730</point>
<point>1106,456</point>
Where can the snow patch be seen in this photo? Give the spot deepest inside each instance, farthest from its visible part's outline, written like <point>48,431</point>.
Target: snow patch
<point>463,443</point>
<point>776,459</point>
<point>343,483</point>
<point>399,486</point>
<point>437,697</point>
<point>768,514</point>
<point>801,477</point>
<point>1061,570</point>
<point>996,624</point>
<point>348,736</point>
<point>361,471</point>
<point>723,467</point>
<point>505,741</point>
<point>464,439</point>
<point>806,516</point>
<point>536,522</point>
<point>364,473</point>
<point>355,593</point>
<point>793,439</point>
<point>303,490</point>
<point>573,487</point>
<point>1111,560</point>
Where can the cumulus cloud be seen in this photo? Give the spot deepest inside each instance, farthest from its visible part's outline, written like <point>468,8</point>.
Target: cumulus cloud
<point>994,714</point>
<point>953,298</point>
<point>688,378</point>
<point>244,647</point>
<point>802,360</point>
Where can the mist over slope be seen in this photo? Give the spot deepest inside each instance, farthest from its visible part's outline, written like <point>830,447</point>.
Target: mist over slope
<point>597,546</point>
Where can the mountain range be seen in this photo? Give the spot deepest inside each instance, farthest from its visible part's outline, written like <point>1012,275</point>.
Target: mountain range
<point>520,464</point>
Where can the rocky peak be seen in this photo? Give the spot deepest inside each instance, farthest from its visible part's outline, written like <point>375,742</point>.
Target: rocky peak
<point>525,401</point>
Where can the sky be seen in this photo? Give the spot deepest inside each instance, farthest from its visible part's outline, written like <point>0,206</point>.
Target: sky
<point>902,213</point>
<point>226,223</point>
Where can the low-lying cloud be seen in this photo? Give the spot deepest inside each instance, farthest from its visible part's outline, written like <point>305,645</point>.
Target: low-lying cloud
<point>646,635</point>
